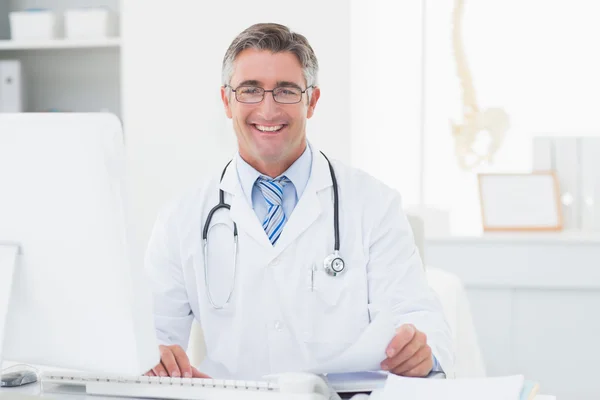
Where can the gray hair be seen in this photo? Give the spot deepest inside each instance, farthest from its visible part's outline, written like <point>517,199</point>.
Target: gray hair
<point>277,39</point>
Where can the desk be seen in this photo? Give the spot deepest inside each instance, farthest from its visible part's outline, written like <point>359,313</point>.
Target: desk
<point>34,390</point>
<point>534,300</point>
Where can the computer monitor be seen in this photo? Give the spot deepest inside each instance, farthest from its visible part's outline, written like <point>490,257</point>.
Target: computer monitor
<point>76,300</point>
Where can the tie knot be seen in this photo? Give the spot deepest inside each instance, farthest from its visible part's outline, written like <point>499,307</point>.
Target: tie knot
<point>272,189</point>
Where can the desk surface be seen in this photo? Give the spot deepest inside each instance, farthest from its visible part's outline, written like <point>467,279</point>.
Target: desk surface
<point>34,389</point>
<point>79,394</point>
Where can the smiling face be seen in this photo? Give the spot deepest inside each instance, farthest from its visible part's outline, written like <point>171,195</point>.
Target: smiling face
<point>271,135</point>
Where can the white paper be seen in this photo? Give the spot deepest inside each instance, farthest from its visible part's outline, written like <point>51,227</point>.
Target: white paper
<point>501,388</point>
<point>368,352</point>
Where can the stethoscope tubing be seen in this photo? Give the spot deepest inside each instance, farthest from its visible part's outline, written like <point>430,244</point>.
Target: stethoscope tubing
<point>223,205</point>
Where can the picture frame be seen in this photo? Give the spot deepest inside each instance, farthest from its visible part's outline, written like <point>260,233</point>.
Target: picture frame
<point>520,202</point>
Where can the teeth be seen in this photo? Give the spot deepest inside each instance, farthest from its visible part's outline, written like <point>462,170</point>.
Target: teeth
<point>268,128</point>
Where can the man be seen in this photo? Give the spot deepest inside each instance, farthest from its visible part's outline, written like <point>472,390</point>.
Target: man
<point>275,307</point>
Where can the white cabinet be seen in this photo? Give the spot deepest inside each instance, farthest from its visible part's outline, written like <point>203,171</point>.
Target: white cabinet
<point>535,300</point>
<point>63,74</point>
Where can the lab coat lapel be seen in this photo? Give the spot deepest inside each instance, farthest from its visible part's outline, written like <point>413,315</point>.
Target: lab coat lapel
<point>241,212</point>
<point>309,205</point>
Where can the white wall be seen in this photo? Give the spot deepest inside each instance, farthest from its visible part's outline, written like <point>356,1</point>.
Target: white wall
<point>386,92</point>
<point>175,127</point>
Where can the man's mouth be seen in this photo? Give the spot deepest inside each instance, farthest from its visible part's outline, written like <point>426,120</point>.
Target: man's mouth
<point>268,128</point>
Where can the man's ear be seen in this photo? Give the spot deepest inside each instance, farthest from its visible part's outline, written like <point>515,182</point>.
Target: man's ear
<point>314,97</point>
<point>225,98</point>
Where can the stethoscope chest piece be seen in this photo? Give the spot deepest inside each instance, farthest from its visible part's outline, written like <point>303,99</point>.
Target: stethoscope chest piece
<point>334,264</point>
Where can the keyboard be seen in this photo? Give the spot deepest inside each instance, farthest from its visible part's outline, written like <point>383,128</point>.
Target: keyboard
<point>292,386</point>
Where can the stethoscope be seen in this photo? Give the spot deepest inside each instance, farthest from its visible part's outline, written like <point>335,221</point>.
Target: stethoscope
<point>333,264</point>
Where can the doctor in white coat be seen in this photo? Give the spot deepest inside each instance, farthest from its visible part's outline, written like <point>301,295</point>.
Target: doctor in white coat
<point>263,296</point>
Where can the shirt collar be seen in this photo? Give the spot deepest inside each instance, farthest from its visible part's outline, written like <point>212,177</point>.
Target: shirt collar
<point>298,173</point>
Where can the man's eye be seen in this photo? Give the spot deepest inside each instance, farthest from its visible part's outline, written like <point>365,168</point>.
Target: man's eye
<point>250,90</point>
<point>288,91</point>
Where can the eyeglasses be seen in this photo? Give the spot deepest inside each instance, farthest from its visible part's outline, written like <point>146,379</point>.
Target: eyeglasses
<point>255,94</point>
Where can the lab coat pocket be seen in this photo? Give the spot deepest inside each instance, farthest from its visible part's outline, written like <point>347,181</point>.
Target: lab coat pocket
<point>336,309</point>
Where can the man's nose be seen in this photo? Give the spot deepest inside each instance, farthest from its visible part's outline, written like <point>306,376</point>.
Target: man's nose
<point>268,107</point>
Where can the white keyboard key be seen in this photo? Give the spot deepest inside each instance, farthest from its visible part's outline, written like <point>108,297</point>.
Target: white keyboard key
<point>230,383</point>
<point>199,382</point>
<point>165,380</point>
<point>263,385</point>
<point>219,383</point>
<point>144,379</point>
<point>186,381</point>
<point>155,380</point>
<point>251,385</point>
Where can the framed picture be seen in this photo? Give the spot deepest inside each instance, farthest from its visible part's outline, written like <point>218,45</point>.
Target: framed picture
<point>520,202</point>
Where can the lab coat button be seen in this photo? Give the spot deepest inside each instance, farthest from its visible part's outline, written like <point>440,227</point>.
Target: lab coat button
<point>278,326</point>
<point>274,262</point>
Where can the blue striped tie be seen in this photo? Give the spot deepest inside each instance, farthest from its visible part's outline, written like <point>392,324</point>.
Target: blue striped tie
<point>272,191</point>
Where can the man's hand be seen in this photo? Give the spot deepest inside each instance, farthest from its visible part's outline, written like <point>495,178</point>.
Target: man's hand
<point>174,362</point>
<point>408,353</point>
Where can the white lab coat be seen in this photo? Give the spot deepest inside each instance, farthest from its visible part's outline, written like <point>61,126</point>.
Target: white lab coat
<point>277,320</point>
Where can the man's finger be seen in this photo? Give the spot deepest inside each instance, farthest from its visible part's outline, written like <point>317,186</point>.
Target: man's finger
<point>183,362</point>
<point>418,341</point>
<point>403,336</point>
<point>168,360</point>
<point>420,370</point>
<point>150,373</point>
<point>417,359</point>
<point>159,370</point>
<point>198,374</point>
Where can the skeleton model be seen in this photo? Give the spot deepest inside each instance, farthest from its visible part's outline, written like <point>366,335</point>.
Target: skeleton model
<point>491,122</point>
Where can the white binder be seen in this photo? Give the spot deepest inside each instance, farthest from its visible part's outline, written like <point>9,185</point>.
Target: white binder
<point>567,159</point>
<point>577,164</point>
<point>11,87</point>
<point>590,184</point>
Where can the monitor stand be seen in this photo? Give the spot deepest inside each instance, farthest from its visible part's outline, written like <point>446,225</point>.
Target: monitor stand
<point>8,263</point>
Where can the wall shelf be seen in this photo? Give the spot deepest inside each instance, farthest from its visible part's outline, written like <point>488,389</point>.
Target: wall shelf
<point>59,44</point>
<point>64,74</point>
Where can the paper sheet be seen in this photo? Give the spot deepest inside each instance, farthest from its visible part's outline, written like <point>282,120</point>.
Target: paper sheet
<point>368,352</point>
<point>501,388</point>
